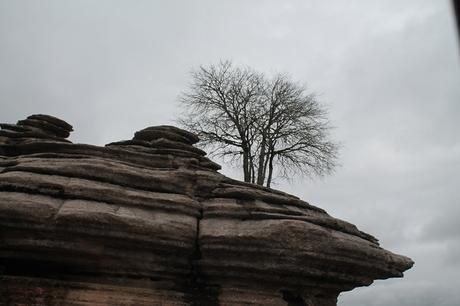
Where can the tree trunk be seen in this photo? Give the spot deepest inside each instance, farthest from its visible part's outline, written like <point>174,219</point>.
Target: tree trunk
<point>246,168</point>
<point>251,166</point>
<point>270,170</point>
<point>260,168</point>
<point>267,159</point>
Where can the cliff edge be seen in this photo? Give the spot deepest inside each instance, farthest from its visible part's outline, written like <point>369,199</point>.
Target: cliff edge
<point>150,221</point>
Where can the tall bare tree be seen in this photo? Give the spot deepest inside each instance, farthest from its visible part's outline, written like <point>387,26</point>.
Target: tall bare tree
<point>220,104</point>
<point>293,132</point>
<point>268,124</point>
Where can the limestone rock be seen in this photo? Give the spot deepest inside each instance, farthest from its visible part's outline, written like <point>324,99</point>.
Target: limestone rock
<point>52,120</point>
<point>35,127</point>
<point>149,221</point>
<point>168,132</point>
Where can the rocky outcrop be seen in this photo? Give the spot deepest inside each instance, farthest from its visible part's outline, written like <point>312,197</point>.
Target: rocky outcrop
<point>150,221</point>
<point>35,127</point>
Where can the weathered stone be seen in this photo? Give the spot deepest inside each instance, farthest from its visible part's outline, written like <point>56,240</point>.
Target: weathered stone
<point>167,132</point>
<point>149,221</point>
<point>13,127</point>
<point>34,128</point>
<point>192,138</point>
<point>53,120</point>
<point>45,126</point>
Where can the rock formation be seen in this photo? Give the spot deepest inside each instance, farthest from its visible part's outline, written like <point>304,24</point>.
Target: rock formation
<point>150,221</point>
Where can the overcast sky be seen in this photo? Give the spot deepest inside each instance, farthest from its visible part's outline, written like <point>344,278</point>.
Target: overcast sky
<point>389,71</point>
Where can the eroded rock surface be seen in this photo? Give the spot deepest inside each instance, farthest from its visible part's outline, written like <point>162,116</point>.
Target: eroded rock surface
<point>150,221</point>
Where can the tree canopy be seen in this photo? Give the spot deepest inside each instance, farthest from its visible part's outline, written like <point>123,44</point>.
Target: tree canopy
<point>272,126</point>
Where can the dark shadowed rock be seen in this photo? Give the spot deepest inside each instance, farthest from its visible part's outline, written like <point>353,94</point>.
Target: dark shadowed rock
<point>169,128</point>
<point>35,128</point>
<point>45,126</point>
<point>52,120</point>
<point>149,221</point>
<point>168,132</point>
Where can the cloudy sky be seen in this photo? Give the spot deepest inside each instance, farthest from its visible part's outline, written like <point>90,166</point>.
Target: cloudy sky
<point>389,71</point>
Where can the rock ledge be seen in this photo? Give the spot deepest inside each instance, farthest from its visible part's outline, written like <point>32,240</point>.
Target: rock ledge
<point>150,221</point>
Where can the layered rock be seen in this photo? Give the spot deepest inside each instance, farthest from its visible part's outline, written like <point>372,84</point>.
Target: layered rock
<point>150,221</point>
<point>35,127</point>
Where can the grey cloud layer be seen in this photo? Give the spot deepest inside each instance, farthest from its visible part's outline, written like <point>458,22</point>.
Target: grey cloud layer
<point>388,70</point>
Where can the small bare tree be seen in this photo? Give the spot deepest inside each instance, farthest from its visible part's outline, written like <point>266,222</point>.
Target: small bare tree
<point>268,124</point>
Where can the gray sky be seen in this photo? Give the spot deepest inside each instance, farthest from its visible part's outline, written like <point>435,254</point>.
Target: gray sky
<point>389,72</point>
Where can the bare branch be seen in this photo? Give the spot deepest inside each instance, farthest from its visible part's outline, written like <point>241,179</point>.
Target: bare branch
<point>267,124</point>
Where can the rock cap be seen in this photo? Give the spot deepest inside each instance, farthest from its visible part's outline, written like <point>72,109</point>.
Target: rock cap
<point>36,126</point>
<point>168,132</point>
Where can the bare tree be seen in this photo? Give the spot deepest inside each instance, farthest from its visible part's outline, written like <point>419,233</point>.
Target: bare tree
<point>267,124</point>
<point>293,132</point>
<point>220,104</point>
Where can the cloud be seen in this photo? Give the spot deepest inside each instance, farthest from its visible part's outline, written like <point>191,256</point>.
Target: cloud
<point>401,293</point>
<point>388,71</point>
